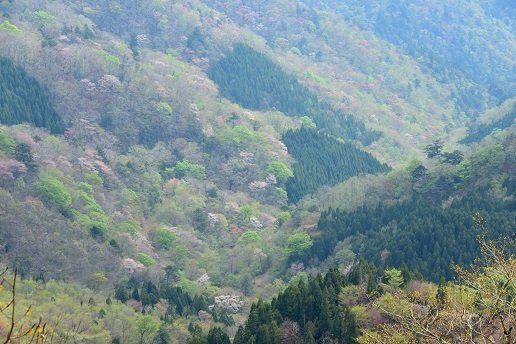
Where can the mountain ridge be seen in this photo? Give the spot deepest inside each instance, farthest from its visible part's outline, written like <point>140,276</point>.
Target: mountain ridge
<point>162,181</point>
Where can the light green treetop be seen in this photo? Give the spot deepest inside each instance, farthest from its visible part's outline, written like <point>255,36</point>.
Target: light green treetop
<point>280,171</point>
<point>249,237</point>
<point>53,191</point>
<point>298,245</point>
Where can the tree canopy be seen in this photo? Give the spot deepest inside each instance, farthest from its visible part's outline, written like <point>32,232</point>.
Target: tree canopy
<point>24,100</point>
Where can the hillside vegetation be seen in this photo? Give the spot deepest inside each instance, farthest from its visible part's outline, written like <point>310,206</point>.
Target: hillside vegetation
<point>177,161</point>
<point>251,80</point>
<point>323,160</point>
<point>23,100</point>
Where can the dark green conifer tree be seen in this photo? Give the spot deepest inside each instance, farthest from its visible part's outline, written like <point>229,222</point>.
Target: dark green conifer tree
<point>121,293</point>
<point>218,336</point>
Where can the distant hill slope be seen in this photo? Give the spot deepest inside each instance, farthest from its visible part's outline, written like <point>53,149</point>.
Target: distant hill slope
<point>415,70</point>
<point>469,43</point>
<point>249,78</point>
<point>479,132</point>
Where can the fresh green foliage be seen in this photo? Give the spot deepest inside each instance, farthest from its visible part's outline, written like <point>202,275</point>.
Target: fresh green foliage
<point>246,211</point>
<point>249,78</point>
<point>298,246</point>
<point>280,171</point>
<point>108,58</point>
<point>283,217</point>
<point>96,220</point>
<point>130,226</point>
<point>9,27</point>
<point>476,134</point>
<point>394,278</point>
<point>249,237</point>
<point>43,18</point>
<point>163,238</point>
<point>93,179</point>
<point>53,191</point>
<point>147,327</point>
<point>187,169</point>
<point>6,144</point>
<point>145,259</point>
<point>23,99</point>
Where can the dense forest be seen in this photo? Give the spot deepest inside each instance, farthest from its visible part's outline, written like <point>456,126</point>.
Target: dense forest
<point>23,99</point>
<point>204,171</point>
<point>432,225</point>
<point>420,233</point>
<point>476,134</point>
<point>307,312</point>
<point>323,160</point>
<point>249,78</point>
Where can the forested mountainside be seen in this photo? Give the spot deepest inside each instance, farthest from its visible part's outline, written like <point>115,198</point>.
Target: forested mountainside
<point>23,100</point>
<point>251,80</point>
<point>479,132</point>
<point>323,160</point>
<point>196,171</point>
<point>437,35</point>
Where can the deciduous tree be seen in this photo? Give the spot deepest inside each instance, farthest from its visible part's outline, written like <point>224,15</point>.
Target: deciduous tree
<point>480,309</point>
<point>147,327</point>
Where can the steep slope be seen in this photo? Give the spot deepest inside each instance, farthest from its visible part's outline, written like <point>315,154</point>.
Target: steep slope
<point>468,44</point>
<point>253,81</point>
<point>421,216</point>
<point>414,95</point>
<point>23,100</point>
<point>322,160</point>
<point>170,189</point>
